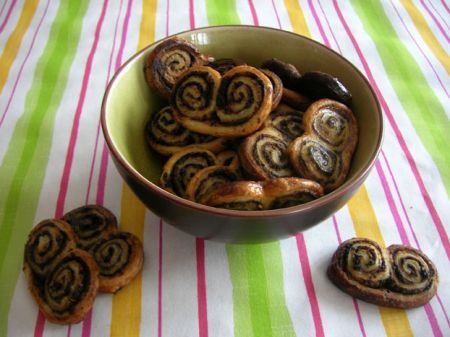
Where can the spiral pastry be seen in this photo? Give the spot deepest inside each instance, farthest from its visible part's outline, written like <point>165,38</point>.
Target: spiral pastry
<point>244,101</point>
<point>68,292</point>
<point>333,123</point>
<point>237,195</point>
<point>286,120</point>
<point>292,191</point>
<point>263,155</point>
<point>168,61</point>
<point>295,99</point>
<point>230,159</point>
<point>277,87</point>
<point>119,257</point>
<point>413,274</point>
<point>90,224</point>
<point>166,136</point>
<point>182,166</point>
<point>47,242</point>
<point>195,93</point>
<point>206,180</point>
<point>225,64</point>
<point>287,72</point>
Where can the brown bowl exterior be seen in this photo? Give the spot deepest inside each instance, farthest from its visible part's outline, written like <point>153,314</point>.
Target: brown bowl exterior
<point>241,226</point>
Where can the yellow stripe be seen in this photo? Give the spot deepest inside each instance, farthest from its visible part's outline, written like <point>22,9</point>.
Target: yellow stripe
<point>427,34</point>
<point>395,321</point>
<point>297,17</point>
<point>126,304</point>
<point>15,39</point>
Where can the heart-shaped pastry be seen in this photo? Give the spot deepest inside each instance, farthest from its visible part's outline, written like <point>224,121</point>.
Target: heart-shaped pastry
<point>396,276</point>
<point>233,105</point>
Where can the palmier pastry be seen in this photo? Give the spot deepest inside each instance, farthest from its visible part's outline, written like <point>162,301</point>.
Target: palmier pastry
<point>295,99</point>
<point>90,223</point>
<point>287,120</point>
<point>398,276</point>
<point>182,166</point>
<point>277,87</point>
<point>230,159</point>
<point>47,242</point>
<point>287,72</point>
<point>317,85</point>
<point>66,294</point>
<point>119,257</point>
<point>166,136</point>
<point>168,61</point>
<point>237,195</point>
<point>291,191</point>
<point>225,64</point>
<point>263,155</point>
<point>206,180</point>
<point>244,101</point>
<point>324,152</point>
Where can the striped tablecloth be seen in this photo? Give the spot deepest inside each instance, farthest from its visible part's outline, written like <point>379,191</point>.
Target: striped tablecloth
<point>56,59</point>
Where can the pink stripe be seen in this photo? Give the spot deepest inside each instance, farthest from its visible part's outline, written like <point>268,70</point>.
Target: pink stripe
<point>276,13</point>
<point>445,6</point>
<point>191,14</point>
<point>358,315</point>
<point>22,66</point>
<point>443,309</point>
<point>253,11</point>
<point>40,325</point>
<point>76,123</point>
<point>124,35</point>
<point>87,325</point>
<point>439,14</point>
<point>3,7</point>
<point>329,28</point>
<point>167,17</point>
<point>421,51</point>
<point>201,288</point>
<point>8,14</point>
<point>336,229</point>
<point>160,271</point>
<point>435,21</point>
<point>69,330</point>
<point>91,172</point>
<point>436,219</point>
<point>392,206</point>
<point>306,271</point>
<point>319,25</point>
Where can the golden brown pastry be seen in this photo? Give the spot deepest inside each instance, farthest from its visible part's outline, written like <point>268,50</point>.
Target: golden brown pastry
<point>119,257</point>
<point>168,61</point>
<point>230,159</point>
<point>295,99</point>
<point>166,136</point>
<point>225,64</point>
<point>398,276</point>
<point>90,223</point>
<point>287,120</point>
<point>67,292</point>
<point>288,73</point>
<point>244,101</point>
<point>208,179</point>
<point>325,150</point>
<point>291,191</point>
<point>277,87</point>
<point>263,155</point>
<point>237,195</point>
<point>182,166</point>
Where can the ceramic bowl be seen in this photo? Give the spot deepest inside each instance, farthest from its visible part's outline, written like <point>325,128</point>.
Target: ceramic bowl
<point>128,104</point>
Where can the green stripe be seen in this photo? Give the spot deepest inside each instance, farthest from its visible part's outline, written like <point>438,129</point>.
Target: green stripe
<point>222,12</point>
<point>23,168</point>
<point>258,291</point>
<point>417,97</point>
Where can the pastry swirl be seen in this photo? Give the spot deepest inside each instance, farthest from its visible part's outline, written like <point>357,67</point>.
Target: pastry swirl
<point>230,159</point>
<point>168,61</point>
<point>263,155</point>
<point>225,64</point>
<point>90,223</point>
<point>287,72</point>
<point>277,87</point>
<point>182,166</point>
<point>244,101</point>
<point>237,195</point>
<point>195,93</point>
<point>412,271</point>
<point>291,191</point>
<point>286,120</point>
<point>166,136</point>
<point>68,292</point>
<point>206,180</point>
<point>119,257</point>
<point>47,242</point>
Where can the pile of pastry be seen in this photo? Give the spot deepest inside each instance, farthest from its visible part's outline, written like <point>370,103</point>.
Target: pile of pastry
<point>246,138</point>
<point>68,261</point>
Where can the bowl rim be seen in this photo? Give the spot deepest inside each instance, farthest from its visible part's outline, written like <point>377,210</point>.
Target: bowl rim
<point>148,185</point>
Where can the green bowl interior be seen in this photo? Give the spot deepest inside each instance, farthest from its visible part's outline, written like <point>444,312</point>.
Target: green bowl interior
<point>130,102</point>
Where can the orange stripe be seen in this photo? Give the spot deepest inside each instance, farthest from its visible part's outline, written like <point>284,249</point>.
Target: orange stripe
<point>15,39</point>
<point>395,321</point>
<point>126,304</point>
<point>426,33</point>
<point>297,17</point>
